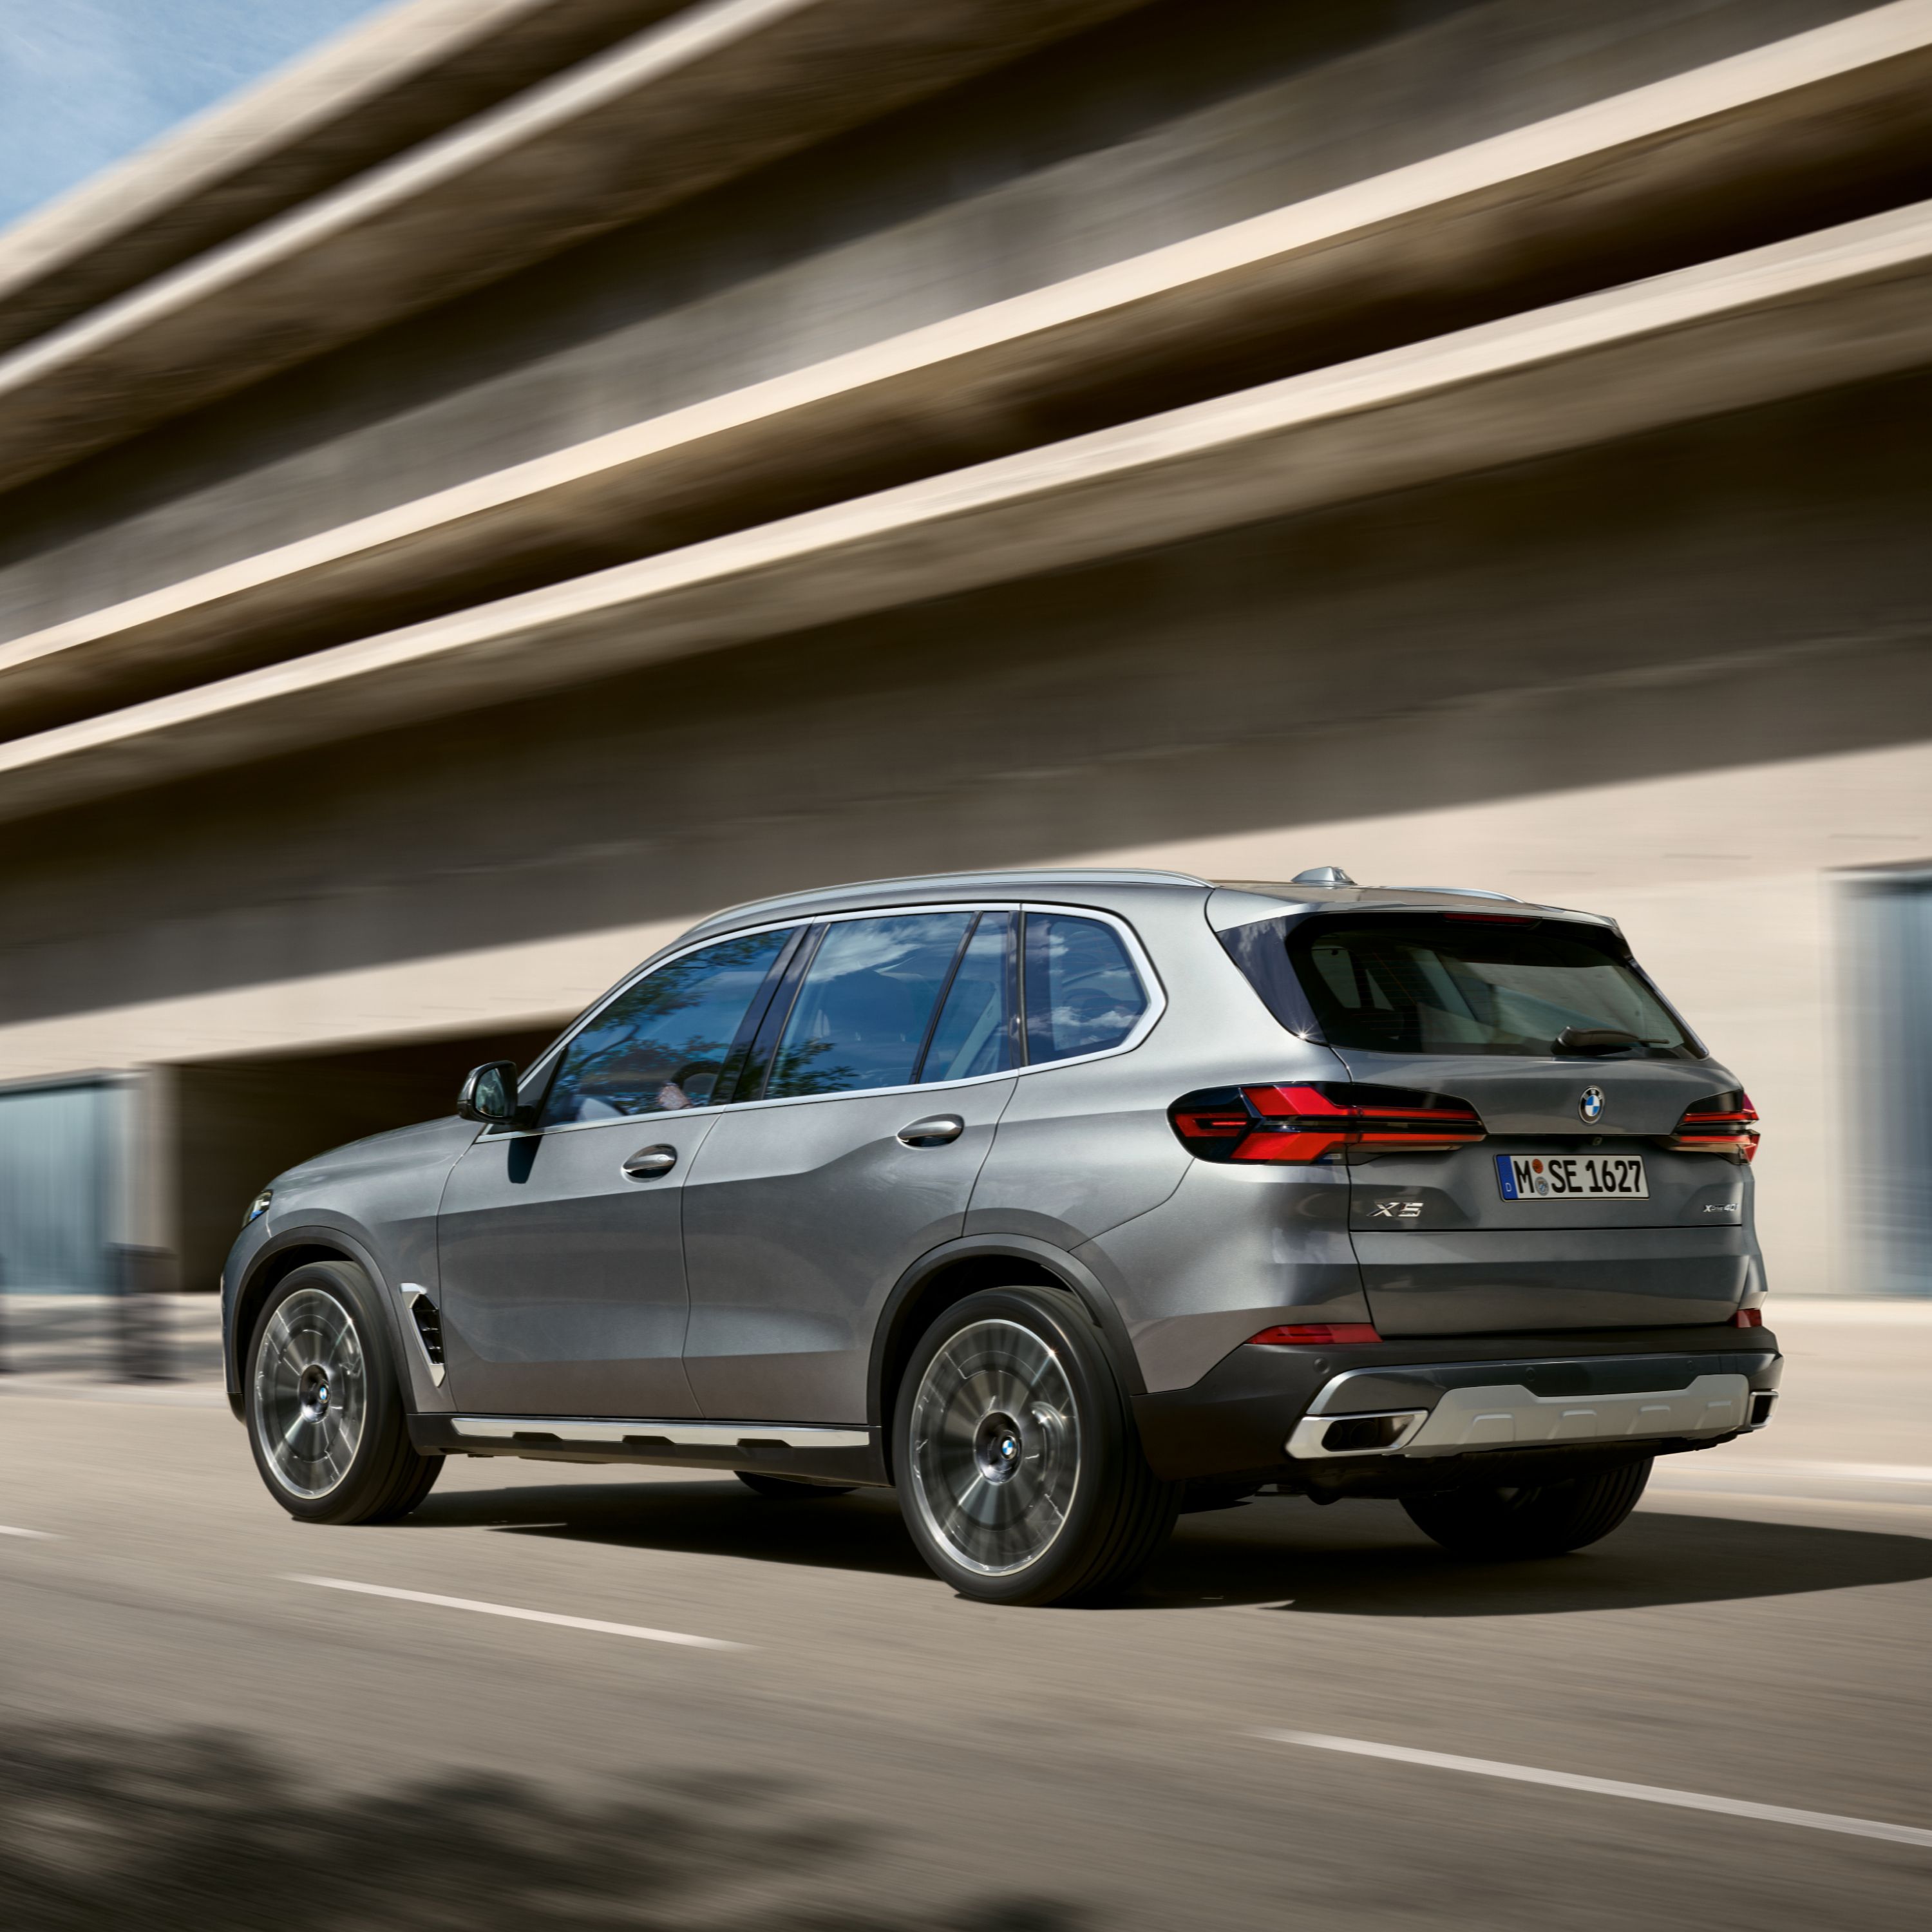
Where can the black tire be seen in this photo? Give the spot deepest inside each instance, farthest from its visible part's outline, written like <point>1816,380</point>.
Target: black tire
<point>785,1489</point>
<point>323,1402</point>
<point>1501,1526</point>
<point>1019,1469</point>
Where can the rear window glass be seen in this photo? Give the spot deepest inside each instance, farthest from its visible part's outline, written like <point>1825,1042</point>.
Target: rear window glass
<point>1466,985</point>
<point>1082,996</point>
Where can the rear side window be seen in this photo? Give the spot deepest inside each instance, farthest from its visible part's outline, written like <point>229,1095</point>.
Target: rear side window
<point>659,1046</point>
<point>1082,993</point>
<point>976,1033</point>
<point>1476,984</point>
<point>861,1015</point>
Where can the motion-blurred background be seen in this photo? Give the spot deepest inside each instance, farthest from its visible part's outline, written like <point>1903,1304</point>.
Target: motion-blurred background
<point>533,471</point>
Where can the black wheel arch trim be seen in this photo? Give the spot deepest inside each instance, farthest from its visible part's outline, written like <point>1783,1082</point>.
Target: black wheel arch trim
<point>1079,1279</point>
<point>349,1247</point>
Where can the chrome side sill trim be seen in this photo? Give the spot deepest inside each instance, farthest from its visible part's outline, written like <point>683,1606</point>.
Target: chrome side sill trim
<point>539,1429</point>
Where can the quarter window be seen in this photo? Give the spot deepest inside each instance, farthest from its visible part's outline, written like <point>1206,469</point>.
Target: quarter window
<point>861,1015</point>
<point>660,1046</point>
<point>1082,994</point>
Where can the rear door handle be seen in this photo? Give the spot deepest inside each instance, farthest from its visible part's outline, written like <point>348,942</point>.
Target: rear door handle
<point>647,1163</point>
<point>934,1131</point>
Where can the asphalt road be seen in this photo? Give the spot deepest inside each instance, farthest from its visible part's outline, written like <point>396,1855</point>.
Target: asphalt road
<point>189,1738</point>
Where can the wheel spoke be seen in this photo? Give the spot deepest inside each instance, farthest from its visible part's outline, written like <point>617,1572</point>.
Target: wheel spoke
<point>996,1446</point>
<point>310,1396</point>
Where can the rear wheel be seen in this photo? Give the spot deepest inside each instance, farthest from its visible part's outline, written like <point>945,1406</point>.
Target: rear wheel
<point>786,1489</point>
<point>1020,1471</point>
<point>325,1413</point>
<point>1499,1524</point>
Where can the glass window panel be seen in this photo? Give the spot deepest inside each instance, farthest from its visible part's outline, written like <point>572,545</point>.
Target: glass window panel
<point>860,1016</point>
<point>1401,984</point>
<point>657,1048</point>
<point>1082,996</point>
<point>975,1033</point>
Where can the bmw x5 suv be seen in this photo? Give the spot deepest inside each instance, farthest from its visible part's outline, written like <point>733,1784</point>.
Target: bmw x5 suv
<point>1057,1200</point>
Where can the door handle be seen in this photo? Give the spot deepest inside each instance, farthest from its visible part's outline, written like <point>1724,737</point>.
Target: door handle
<point>934,1131</point>
<point>647,1163</point>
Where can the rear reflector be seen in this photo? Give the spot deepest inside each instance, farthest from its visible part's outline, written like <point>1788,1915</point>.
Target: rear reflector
<point>1748,1318</point>
<point>1322,1120</point>
<point>1307,1334</point>
<point>1725,1123</point>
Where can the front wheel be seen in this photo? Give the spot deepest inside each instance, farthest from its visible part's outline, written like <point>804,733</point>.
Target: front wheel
<point>1019,1469</point>
<point>1501,1524</point>
<point>324,1414</point>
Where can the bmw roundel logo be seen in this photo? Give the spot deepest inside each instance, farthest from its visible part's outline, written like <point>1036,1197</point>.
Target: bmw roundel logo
<point>1591,1105</point>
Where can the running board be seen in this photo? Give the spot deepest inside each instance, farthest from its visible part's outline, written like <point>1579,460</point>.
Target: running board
<point>811,1451</point>
<point>540,1429</point>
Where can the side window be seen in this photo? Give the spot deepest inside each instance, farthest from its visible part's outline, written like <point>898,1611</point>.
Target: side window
<point>975,1031</point>
<point>861,1015</point>
<point>1082,995</point>
<point>660,1046</point>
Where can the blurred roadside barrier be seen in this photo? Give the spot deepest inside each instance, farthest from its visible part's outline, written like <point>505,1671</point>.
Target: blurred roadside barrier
<point>142,1277</point>
<point>69,1340</point>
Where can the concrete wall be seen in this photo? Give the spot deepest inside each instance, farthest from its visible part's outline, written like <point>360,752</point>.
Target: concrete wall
<point>1176,120</point>
<point>1679,679</point>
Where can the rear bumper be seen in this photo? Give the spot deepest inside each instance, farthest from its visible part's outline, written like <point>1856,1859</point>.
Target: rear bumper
<point>1273,1414</point>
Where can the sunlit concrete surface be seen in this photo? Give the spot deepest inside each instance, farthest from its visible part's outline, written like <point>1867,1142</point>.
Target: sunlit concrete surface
<point>880,1755</point>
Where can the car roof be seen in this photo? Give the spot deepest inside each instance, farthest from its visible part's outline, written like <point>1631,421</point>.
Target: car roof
<point>1116,888</point>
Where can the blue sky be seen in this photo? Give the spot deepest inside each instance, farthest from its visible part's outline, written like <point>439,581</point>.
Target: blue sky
<point>83,82</point>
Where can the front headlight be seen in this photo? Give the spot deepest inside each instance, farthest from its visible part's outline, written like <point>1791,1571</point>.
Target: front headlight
<point>258,1206</point>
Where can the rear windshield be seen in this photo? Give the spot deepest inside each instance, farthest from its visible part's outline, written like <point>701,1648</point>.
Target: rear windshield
<point>1467,984</point>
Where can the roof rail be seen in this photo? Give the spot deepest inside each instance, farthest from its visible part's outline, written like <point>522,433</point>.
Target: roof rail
<point>1462,892</point>
<point>1060,875</point>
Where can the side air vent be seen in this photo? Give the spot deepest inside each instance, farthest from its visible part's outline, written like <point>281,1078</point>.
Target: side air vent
<point>428,1326</point>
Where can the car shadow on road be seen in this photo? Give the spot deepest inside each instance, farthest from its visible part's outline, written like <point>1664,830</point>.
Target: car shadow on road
<point>1358,1559</point>
<point>1366,1560</point>
<point>707,1516</point>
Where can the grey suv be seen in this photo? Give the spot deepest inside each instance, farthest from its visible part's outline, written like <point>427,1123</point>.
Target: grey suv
<point>1058,1200</point>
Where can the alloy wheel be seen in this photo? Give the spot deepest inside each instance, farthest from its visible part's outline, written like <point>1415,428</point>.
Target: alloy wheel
<point>995,1443</point>
<point>311,1393</point>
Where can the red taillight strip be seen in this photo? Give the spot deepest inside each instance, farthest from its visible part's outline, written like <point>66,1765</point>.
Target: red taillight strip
<point>1296,1123</point>
<point>1707,1128</point>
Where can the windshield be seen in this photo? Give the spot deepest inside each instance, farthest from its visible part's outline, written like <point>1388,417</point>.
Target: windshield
<point>1461,983</point>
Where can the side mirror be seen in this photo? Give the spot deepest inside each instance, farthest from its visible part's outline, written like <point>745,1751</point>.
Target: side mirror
<point>489,1094</point>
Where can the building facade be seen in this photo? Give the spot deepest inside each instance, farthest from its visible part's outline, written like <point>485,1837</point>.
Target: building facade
<point>535,473</point>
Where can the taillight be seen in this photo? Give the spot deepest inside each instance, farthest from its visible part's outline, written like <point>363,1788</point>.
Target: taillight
<point>1324,1120</point>
<point>1725,1123</point>
<point>1748,1318</point>
<point>1307,1334</point>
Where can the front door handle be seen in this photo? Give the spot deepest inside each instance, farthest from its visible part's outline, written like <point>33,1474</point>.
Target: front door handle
<point>647,1163</point>
<point>934,1131</point>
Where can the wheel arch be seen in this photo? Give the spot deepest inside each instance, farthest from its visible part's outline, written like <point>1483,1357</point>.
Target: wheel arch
<point>948,1274</point>
<point>296,1248</point>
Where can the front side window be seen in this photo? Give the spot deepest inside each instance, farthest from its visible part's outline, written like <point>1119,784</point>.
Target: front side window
<point>1082,993</point>
<point>660,1046</point>
<point>862,1012</point>
<point>1458,984</point>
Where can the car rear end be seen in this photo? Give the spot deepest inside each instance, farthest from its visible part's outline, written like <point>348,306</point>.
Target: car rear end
<point>1547,1183</point>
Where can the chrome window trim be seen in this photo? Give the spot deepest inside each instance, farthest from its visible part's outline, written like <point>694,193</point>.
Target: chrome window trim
<point>1138,959</point>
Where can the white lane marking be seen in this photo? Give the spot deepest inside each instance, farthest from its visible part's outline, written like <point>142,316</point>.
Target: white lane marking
<point>1611,1787</point>
<point>38,1535</point>
<point>524,1616</point>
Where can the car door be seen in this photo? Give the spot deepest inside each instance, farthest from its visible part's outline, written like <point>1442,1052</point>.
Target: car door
<point>562,1287</point>
<point>872,1097</point>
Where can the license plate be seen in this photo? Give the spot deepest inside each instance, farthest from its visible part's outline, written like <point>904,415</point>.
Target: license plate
<point>1571,1176</point>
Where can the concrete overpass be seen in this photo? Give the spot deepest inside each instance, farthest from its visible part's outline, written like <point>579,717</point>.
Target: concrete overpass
<point>546,469</point>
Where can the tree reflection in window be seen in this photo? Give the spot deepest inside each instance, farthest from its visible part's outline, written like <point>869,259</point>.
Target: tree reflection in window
<point>660,1046</point>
